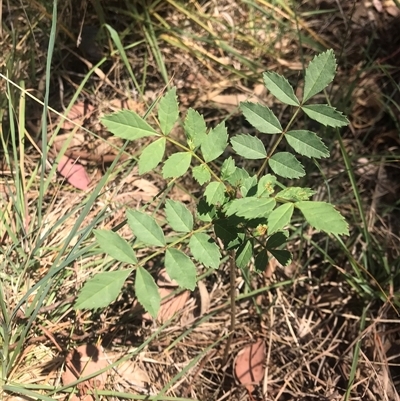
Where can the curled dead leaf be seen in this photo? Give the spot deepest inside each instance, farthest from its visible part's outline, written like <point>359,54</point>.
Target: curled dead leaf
<point>249,365</point>
<point>84,361</point>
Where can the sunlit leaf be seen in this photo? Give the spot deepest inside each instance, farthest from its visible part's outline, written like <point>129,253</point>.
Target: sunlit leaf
<point>205,211</point>
<point>249,147</point>
<point>251,208</point>
<point>266,185</point>
<point>319,74</point>
<point>101,290</point>
<point>249,187</point>
<point>228,168</point>
<point>237,177</point>
<point>145,228</point>
<point>180,268</point>
<point>286,165</point>
<point>326,115</point>
<point>179,217</point>
<point>295,194</point>
<point>261,117</point>
<point>151,156</point>
<point>146,291</point>
<point>280,217</point>
<point>205,250</point>
<point>168,111</point>
<point>195,127</point>
<point>126,124</point>
<point>307,143</point>
<point>116,246</point>
<point>215,193</point>
<point>215,143</point>
<point>201,174</point>
<point>279,86</point>
<point>323,216</point>
<point>176,165</point>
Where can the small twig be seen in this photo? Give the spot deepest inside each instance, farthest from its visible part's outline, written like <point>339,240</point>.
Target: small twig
<point>232,273</point>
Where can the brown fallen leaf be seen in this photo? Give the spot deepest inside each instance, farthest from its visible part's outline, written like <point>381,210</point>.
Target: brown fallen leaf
<point>169,306</point>
<point>77,141</point>
<point>74,173</point>
<point>132,374</point>
<point>249,365</point>
<point>79,112</point>
<point>83,361</point>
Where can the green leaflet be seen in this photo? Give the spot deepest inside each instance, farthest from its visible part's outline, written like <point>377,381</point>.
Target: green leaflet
<point>177,165</point>
<point>324,217</point>
<point>126,124</point>
<point>151,156</point>
<point>168,111</point>
<point>145,228</point>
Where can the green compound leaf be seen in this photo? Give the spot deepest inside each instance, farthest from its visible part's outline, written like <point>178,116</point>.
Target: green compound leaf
<point>168,111</point>
<point>179,217</point>
<point>205,250</point>
<point>176,165</point>
<point>195,127</point>
<point>238,177</point>
<point>266,185</point>
<point>307,143</point>
<point>251,208</point>
<point>286,165</point>
<point>283,256</point>
<point>323,216</point>
<point>261,261</point>
<point>280,217</point>
<point>205,212</point>
<point>326,115</point>
<point>118,248</point>
<point>180,268</point>
<point>261,117</point>
<point>276,240</point>
<point>231,236</point>
<point>249,147</point>
<point>126,124</point>
<point>215,193</point>
<point>145,228</point>
<point>146,291</point>
<point>201,174</point>
<point>244,254</point>
<point>101,290</point>
<point>228,168</point>
<point>279,86</point>
<point>151,156</point>
<point>249,187</point>
<point>319,74</point>
<point>215,143</point>
<point>295,194</point>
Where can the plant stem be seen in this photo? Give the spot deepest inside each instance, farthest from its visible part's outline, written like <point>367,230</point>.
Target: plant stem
<point>232,273</point>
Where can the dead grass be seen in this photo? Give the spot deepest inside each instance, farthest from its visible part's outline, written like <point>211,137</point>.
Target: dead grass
<point>330,327</point>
